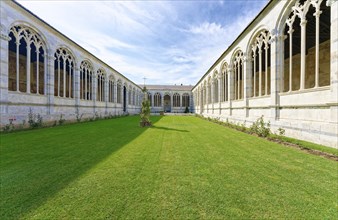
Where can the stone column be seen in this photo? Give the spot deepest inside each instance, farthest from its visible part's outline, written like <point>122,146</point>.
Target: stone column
<point>253,81</point>
<point>247,83</point>
<point>260,70</point>
<point>220,85</point>
<point>162,101</point>
<point>115,96</point>
<point>334,61</point>
<point>303,53</point>
<point>50,82</point>
<point>4,39</point>
<point>64,78</point>
<point>28,70</point>
<point>171,100</point>
<point>266,70</point>
<point>317,14</point>
<point>106,94</point>
<point>115,93</point>
<point>77,88</point>
<point>276,66</point>
<point>290,59</point>
<point>212,95</point>
<point>94,91</point>
<point>191,103</point>
<point>201,100</point>
<point>127,98</point>
<point>231,88</point>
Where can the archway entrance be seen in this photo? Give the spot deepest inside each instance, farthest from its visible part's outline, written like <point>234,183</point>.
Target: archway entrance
<point>167,103</point>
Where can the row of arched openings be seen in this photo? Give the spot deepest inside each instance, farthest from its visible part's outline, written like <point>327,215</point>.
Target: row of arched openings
<point>306,61</point>
<point>27,68</point>
<point>176,99</point>
<point>132,96</point>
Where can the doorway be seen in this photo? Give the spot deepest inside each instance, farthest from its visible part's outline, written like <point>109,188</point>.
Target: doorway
<point>167,103</point>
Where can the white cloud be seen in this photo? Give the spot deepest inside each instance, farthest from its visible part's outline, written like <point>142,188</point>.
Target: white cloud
<point>207,28</point>
<point>156,39</point>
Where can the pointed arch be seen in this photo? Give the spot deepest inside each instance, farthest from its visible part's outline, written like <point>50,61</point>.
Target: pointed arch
<point>150,99</point>
<point>238,73</point>
<point>86,80</point>
<point>111,88</point>
<point>64,65</point>
<point>176,100</point>
<point>26,59</point>
<point>261,61</point>
<point>119,91</point>
<point>209,82</point>
<point>134,96</point>
<point>157,100</point>
<point>130,95</point>
<point>185,100</point>
<point>101,81</point>
<point>215,86</point>
<point>224,81</point>
<point>306,41</point>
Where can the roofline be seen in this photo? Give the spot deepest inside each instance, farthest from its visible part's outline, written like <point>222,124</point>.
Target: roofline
<point>50,26</point>
<point>233,43</point>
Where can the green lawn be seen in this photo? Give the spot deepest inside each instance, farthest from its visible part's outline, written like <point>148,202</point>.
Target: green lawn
<point>182,168</point>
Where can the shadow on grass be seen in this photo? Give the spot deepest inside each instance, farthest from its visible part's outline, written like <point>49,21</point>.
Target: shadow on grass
<point>168,129</point>
<point>37,164</point>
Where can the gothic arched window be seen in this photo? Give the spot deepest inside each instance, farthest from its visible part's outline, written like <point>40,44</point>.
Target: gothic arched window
<point>26,61</point>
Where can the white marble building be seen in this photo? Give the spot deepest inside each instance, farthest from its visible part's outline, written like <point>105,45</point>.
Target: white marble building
<point>173,99</point>
<point>284,66</point>
<point>43,70</point>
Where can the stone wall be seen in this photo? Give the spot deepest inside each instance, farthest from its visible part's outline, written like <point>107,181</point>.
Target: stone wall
<point>309,113</point>
<point>17,104</point>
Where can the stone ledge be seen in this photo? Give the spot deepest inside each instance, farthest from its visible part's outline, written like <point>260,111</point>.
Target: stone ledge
<point>323,88</point>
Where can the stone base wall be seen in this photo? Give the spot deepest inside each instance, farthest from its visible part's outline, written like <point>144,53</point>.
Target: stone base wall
<point>324,133</point>
<point>21,104</point>
<point>304,115</point>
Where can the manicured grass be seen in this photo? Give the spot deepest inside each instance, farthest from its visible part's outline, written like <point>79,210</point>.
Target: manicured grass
<point>182,168</point>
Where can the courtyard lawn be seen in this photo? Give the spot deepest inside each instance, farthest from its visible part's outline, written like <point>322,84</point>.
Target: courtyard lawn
<point>182,168</point>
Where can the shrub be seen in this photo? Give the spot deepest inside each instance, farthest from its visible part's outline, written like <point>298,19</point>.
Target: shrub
<point>242,127</point>
<point>186,109</point>
<point>34,120</point>
<point>281,131</point>
<point>260,128</point>
<point>8,127</point>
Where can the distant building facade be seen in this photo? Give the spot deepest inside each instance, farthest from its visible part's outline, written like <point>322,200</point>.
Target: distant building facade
<point>173,99</point>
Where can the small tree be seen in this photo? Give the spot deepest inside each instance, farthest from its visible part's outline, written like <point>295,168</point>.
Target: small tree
<point>145,110</point>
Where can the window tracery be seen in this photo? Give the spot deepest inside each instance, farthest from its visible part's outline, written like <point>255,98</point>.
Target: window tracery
<point>176,100</point>
<point>27,60</point>
<point>86,81</point>
<point>238,75</point>
<point>101,80</point>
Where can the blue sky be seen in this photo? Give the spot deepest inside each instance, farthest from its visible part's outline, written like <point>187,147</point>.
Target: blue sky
<point>168,42</point>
